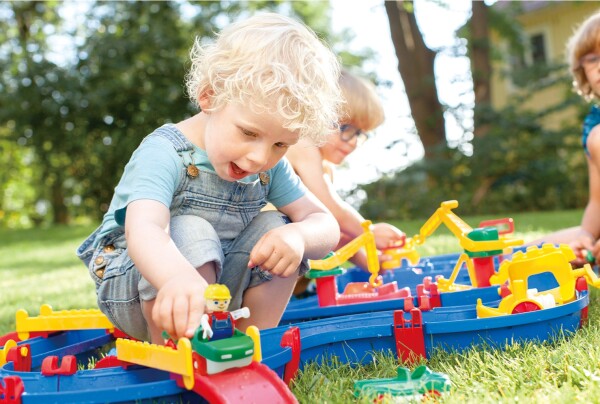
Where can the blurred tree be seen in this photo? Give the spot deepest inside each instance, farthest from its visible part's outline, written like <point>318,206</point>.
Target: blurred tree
<point>79,92</point>
<point>36,97</point>
<point>132,69</point>
<point>481,66</point>
<point>520,165</point>
<point>415,64</point>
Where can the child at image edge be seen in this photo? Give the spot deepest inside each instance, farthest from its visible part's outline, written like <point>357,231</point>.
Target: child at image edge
<point>187,210</point>
<point>583,52</point>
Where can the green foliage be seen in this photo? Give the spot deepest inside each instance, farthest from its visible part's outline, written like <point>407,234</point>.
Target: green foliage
<point>70,121</point>
<point>521,164</point>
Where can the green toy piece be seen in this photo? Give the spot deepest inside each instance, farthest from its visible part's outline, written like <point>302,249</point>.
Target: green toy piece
<point>484,234</point>
<point>420,382</point>
<point>238,346</point>
<point>589,257</point>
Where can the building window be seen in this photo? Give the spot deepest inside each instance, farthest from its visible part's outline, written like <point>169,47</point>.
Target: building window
<point>537,44</point>
<point>528,62</point>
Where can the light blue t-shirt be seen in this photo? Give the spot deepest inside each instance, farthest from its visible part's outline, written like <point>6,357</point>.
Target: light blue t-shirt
<point>153,172</point>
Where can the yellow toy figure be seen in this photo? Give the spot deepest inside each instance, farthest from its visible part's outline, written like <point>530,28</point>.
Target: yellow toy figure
<point>218,323</point>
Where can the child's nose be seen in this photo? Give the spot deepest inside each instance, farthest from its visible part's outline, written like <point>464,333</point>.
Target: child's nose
<point>259,157</point>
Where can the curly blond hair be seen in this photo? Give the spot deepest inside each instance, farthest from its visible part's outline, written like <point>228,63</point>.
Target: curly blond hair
<point>586,39</point>
<point>362,107</point>
<point>274,64</point>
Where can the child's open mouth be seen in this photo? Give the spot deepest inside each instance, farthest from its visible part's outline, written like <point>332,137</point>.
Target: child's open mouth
<point>236,172</point>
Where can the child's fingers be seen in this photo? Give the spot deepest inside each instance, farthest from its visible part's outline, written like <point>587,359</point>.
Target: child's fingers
<point>162,315</point>
<point>253,259</point>
<point>180,315</point>
<point>284,267</point>
<point>195,315</point>
<point>259,254</point>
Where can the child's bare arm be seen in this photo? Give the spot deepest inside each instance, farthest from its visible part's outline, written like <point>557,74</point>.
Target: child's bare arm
<point>585,239</point>
<point>308,164</point>
<point>179,304</point>
<point>312,234</point>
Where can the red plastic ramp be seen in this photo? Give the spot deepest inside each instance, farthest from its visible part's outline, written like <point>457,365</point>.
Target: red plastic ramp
<point>255,383</point>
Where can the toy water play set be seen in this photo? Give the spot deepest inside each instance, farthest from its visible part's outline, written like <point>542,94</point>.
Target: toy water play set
<point>411,307</point>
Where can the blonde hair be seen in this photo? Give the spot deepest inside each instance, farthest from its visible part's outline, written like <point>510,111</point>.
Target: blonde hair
<point>272,64</point>
<point>585,40</point>
<point>362,105</point>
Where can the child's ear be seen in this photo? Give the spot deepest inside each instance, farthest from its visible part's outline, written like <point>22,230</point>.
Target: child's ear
<point>205,99</point>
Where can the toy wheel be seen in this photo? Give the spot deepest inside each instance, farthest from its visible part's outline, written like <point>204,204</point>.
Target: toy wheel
<point>525,307</point>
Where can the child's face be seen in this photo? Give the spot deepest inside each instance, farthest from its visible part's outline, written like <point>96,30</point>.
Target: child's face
<point>240,142</point>
<point>341,144</point>
<point>591,66</point>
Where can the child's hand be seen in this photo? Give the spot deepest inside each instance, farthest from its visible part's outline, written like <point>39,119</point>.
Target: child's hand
<point>581,245</point>
<point>179,305</point>
<point>279,251</point>
<point>387,235</point>
<point>595,253</point>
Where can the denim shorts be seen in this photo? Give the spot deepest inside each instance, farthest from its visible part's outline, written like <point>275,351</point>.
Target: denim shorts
<point>121,288</point>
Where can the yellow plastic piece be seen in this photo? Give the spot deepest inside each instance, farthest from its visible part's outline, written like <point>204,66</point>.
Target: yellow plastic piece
<point>366,240</point>
<point>160,357</point>
<point>588,274</point>
<point>408,251</point>
<point>535,261</point>
<point>216,291</point>
<point>548,258</point>
<point>486,312</point>
<point>460,229</point>
<point>520,294</point>
<point>11,343</point>
<point>443,215</point>
<point>254,333</point>
<point>448,285</point>
<point>64,320</point>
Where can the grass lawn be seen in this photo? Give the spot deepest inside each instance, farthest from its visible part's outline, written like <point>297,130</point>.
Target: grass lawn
<point>39,266</point>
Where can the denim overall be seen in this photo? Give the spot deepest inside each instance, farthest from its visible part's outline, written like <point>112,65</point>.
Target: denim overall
<point>211,220</point>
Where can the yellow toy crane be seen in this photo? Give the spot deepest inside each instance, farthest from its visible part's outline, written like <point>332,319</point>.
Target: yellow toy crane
<point>482,244</point>
<point>479,243</point>
<point>337,258</point>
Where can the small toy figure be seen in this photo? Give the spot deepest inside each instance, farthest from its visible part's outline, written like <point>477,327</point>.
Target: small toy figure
<point>218,323</point>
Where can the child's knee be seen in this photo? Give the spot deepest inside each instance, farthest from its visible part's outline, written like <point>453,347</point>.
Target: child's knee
<point>199,243</point>
<point>268,220</point>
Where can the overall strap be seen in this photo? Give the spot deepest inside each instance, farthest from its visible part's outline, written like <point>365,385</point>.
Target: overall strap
<point>173,135</point>
<point>180,143</point>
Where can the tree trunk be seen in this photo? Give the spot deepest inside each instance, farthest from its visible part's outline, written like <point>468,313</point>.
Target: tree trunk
<point>415,64</point>
<point>481,67</point>
<point>60,212</point>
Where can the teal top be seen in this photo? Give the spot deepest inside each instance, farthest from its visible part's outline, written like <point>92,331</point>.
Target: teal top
<point>591,120</point>
<point>154,172</point>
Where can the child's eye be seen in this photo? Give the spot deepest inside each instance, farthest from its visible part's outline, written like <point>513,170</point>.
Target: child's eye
<point>248,133</point>
<point>281,145</point>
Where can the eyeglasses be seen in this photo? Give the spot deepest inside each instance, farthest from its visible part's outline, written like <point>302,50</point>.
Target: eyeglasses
<point>589,61</point>
<point>349,132</point>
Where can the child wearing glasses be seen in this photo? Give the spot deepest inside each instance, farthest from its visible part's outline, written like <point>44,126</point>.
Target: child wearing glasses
<point>361,113</point>
<point>583,53</point>
<point>187,210</point>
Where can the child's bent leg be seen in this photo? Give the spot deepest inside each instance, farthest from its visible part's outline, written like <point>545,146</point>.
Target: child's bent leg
<point>267,303</point>
<point>199,243</point>
<point>265,295</point>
